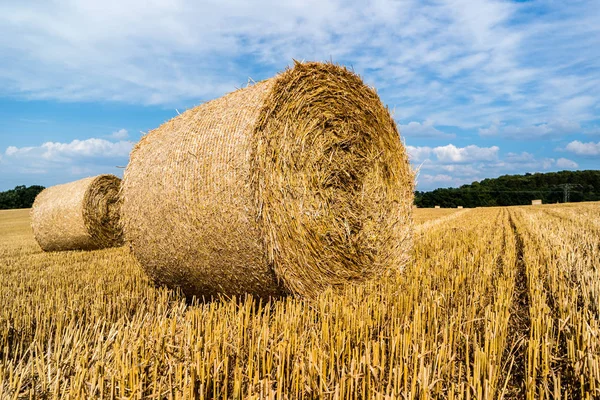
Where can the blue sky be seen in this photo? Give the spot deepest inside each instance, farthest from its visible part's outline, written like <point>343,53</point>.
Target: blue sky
<point>478,88</point>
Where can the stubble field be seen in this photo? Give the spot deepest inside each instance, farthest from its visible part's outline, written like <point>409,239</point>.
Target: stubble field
<point>496,303</point>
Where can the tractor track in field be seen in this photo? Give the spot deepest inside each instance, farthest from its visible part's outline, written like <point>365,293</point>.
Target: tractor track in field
<point>519,325</point>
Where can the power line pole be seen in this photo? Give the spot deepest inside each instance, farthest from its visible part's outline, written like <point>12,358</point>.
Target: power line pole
<point>566,191</point>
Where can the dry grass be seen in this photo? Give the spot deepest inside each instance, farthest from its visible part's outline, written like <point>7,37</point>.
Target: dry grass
<point>295,184</point>
<point>80,215</point>
<point>421,215</point>
<point>496,303</point>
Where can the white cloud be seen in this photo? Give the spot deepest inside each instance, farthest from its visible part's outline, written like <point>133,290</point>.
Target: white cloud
<point>423,130</point>
<point>519,157</point>
<point>439,178</point>
<point>491,131</point>
<point>454,166</point>
<point>452,154</point>
<point>577,107</point>
<point>10,150</point>
<point>61,162</point>
<point>584,149</point>
<point>76,170</point>
<point>56,151</point>
<point>556,128</point>
<point>120,134</point>
<point>547,163</point>
<point>418,153</point>
<point>458,62</point>
<point>566,163</point>
<point>430,181</point>
<point>87,148</point>
<point>461,169</point>
<point>593,131</point>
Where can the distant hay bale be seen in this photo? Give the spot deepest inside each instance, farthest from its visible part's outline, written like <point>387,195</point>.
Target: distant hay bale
<point>437,206</point>
<point>80,215</point>
<point>294,184</point>
<point>536,202</point>
<point>459,207</point>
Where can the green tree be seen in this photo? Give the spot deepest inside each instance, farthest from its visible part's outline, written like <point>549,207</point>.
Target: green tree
<point>19,197</point>
<point>511,190</point>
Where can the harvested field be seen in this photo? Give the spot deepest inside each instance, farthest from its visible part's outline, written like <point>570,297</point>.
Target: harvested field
<point>421,215</point>
<point>496,303</point>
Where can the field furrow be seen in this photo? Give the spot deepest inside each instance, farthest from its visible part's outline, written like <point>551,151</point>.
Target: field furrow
<point>562,259</point>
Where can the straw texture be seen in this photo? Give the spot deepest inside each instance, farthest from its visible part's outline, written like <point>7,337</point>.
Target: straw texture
<point>295,184</point>
<point>80,215</point>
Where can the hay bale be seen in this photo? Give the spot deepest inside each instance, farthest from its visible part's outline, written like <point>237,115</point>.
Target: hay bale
<point>80,215</point>
<point>536,202</point>
<point>295,184</point>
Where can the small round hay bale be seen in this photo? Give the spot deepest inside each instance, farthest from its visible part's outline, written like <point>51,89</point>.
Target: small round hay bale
<point>80,215</point>
<point>294,184</point>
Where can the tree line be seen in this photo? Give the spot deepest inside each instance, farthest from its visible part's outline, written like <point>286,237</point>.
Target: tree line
<point>506,190</point>
<point>513,190</point>
<point>19,197</point>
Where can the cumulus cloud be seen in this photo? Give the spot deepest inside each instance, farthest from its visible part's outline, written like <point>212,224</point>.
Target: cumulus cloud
<point>452,154</point>
<point>547,163</point>
<point>423,130</point>
<point>120,134</point>
<point>566,163</point>
<point>461,169</point>
<point>583,149</point>
<point>418,153</point>
<point>77,149</point>
<point>437,179</point>
<point>427,181</point>
<point>451,165</point>
<point>57,162</point>
<point>11,150</point>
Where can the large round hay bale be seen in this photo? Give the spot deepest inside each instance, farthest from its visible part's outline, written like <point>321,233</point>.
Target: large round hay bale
<point>294,184</point>
<point>80,215</point>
